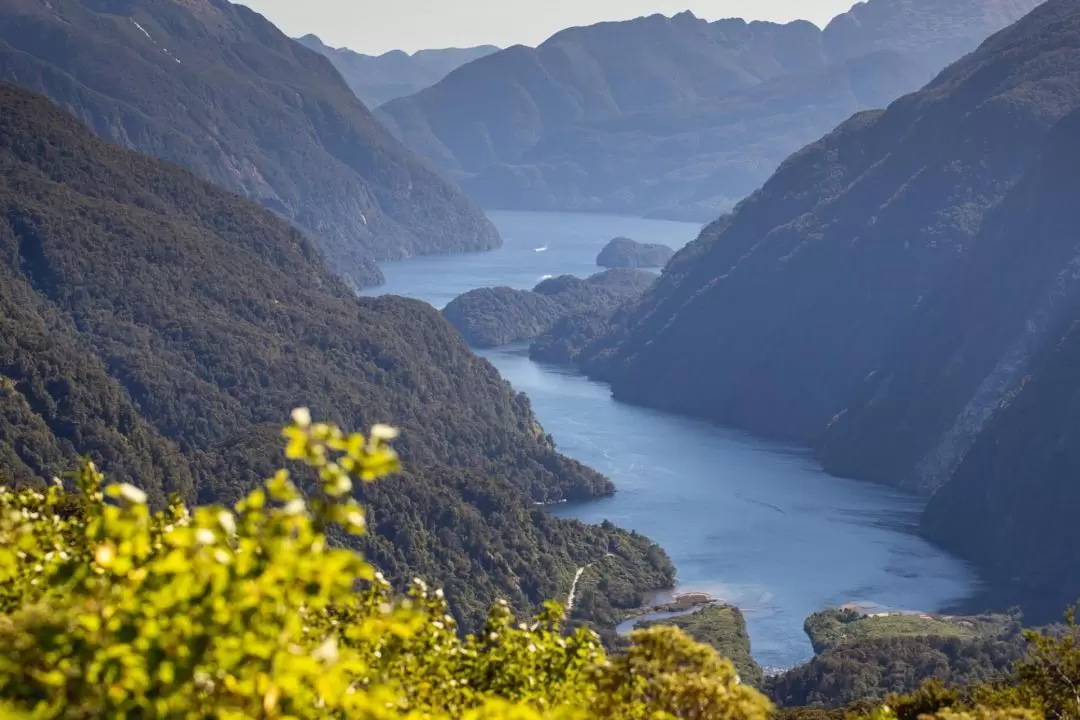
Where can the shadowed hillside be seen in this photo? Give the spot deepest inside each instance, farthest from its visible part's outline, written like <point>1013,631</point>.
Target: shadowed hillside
<point>216,88</point>
<point>165,327</point>
<point>902,294</point>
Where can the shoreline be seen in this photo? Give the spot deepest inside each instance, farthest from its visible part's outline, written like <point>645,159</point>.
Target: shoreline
<point>682,603</point>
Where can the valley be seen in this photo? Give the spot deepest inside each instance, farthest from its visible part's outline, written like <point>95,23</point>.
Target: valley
<point>753,523</point>
<point>672,368</point>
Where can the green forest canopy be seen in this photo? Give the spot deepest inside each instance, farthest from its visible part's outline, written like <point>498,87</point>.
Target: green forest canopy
<point>108,609</point>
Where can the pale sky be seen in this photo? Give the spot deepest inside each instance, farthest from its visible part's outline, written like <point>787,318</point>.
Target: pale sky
<point>375,26</point>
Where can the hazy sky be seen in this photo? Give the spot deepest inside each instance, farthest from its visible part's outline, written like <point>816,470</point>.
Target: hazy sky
<point>374,26</point>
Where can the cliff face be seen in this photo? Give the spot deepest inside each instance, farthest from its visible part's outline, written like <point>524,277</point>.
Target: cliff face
<point>216,88</point>
<point>902,294</point>
<point>378,79</point>
<point>165,328</point>
<point>675,117</point>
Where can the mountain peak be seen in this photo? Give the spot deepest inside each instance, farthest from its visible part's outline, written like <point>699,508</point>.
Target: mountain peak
<point>941,30</point>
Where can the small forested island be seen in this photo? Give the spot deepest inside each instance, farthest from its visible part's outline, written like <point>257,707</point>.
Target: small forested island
<point>623,252</point>
<point>490,317</point>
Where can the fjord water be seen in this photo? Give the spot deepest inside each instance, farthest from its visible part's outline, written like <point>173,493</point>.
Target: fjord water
<point>751,522</point>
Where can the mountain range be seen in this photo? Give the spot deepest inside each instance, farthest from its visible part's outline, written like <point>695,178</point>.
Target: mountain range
<point>675,117</point>
<point>903,295</point>
<point>378,79</point>
<point>218,89</point>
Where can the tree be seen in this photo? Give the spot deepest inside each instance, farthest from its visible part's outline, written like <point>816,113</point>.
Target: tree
<point>108,609</point>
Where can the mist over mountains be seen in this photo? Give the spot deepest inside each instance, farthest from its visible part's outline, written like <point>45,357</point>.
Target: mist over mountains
<point>378,79</point>
<point>675,117</point>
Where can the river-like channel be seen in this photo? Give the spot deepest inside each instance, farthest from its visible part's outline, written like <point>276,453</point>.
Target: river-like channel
<point>749,521</point>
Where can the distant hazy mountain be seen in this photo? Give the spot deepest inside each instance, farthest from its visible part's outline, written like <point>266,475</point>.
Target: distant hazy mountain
<point>216,88</point>
<point>676,117</point>
<point>490,317</point>
<point>904,294</point>
<point>377,79</point>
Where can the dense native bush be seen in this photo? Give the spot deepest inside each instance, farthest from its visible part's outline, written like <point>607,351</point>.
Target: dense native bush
<point>108,609</point>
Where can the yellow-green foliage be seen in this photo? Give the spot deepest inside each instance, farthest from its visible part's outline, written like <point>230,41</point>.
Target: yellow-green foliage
<point>108,609</point>
<point>1045,685</point>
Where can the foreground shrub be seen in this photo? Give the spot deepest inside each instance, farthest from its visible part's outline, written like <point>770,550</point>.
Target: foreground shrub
<point>108,609</point>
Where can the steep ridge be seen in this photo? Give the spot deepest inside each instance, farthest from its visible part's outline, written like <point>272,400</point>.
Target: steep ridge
<point>378,79</point>
<point>973,341</point>
<point>165,328</point>
<point>937,31</point>
<point>216,88</point>
<point>1010,502</point>
<point>902,294</point>
<point>773,317</point>
<point>677,116</point>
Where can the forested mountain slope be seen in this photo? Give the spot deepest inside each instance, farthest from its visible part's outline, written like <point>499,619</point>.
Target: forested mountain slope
<point>675,116</point>
<point>901,294</point>
<point>216,88</point>
<point>490,317</point>
<point>377,79</point>
<point>1010,501</point>
<point>165,328</point>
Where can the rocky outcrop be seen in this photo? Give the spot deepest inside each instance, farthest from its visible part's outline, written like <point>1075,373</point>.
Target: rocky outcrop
<point>216,88</point>
<point>623,252</point>
<point>489,317</point>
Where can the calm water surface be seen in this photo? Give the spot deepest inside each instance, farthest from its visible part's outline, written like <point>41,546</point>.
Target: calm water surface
<point>752,522</point>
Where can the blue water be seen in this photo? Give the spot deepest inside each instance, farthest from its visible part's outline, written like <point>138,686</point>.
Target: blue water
<point>572,243</point>
<point>749,521</point>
